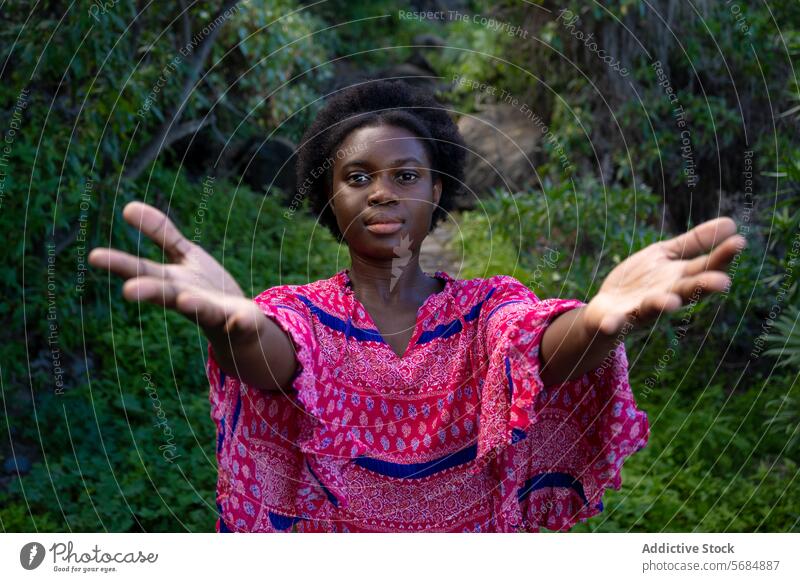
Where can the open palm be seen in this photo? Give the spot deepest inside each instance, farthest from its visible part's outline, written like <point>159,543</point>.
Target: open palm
<point>664,276</point>
<point>193,283</point>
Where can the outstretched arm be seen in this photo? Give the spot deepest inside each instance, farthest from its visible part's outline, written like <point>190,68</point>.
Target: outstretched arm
<point>660,278</point>
<point>247,344</point>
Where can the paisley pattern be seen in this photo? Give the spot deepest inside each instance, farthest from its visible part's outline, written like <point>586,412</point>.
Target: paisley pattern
<point>459,434</point>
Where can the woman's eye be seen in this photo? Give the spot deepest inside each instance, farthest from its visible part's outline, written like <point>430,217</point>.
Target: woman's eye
<point>408,176</point>
<point>352,178</point>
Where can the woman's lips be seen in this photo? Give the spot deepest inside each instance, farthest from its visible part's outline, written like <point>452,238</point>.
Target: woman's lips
<point>384,227</point>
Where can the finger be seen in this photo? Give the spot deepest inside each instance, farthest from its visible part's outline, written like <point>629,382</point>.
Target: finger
<point>157,226</point>
<point>209,310</point>
<point>719,258</point>
<point>153,290</point>
<point>693,288</point>
<point>125,265</point>
<point>650,308</point>
<point>244,321</point>
<point>202,308</point>
<point>215,312</point>
<point>611,324</point>
<point>701,238</point>
<point>655,305</point>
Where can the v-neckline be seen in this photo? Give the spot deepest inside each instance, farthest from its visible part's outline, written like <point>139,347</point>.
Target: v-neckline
<point>431,300</point>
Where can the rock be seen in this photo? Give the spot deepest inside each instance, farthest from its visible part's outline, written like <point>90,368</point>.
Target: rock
<point>508,141</point>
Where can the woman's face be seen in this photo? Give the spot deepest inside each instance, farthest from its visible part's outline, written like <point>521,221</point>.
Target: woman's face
<point>384,192</point>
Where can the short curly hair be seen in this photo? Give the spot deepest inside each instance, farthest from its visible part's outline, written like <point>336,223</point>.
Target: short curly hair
<point>372,103</point>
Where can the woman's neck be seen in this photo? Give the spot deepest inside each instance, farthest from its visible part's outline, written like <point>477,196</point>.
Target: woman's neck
<point>399,281</point>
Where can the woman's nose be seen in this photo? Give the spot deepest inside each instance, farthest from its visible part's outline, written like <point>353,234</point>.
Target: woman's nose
<point>382,193</point>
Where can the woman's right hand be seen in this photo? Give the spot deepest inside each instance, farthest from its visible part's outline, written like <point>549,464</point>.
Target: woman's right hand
<point>195,285</point>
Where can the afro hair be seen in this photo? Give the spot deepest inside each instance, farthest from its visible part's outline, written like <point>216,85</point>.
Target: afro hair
<point>373,103</point>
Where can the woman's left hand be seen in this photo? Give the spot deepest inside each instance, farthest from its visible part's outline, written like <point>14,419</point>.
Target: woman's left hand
<point>664,276</point>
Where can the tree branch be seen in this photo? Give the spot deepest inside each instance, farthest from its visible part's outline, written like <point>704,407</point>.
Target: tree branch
<point>186,24</point>
<point>164,133</point>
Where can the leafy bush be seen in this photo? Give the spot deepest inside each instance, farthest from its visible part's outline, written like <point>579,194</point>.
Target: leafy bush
<point>723,453</point>
<point>103,465</point>
<point>563,240</point>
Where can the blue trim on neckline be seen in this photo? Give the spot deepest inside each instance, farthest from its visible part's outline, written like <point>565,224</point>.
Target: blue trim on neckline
<point>446,330</point>
<point>476,310</point>
<point>346,327</point>
<point>443,330</point>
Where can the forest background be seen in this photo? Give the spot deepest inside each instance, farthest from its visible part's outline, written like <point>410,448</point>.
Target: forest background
<point>597,128</point>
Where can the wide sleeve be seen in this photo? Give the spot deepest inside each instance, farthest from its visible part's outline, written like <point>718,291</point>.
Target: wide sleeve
<point>270,473</point>
<point>284,308</point>
<point>554,449</point>
<point>292,315</point>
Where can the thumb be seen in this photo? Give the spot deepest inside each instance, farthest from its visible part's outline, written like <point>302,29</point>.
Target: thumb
<point>220,314</point>
<point>611,324</point>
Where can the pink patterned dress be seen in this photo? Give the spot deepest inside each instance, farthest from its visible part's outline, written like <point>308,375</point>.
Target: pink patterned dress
<point>459,434</point>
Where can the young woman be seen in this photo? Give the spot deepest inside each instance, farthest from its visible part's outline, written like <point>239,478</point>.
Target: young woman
<point>388,399</point>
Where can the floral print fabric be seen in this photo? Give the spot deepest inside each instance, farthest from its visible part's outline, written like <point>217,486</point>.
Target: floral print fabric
<point>458,434</point>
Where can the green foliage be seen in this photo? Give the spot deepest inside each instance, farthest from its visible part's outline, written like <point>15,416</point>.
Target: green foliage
<point>723,452</point>
<point>279,48</point>
<point>714,463</point>
<point>727,91</point>
<point>105,468</point>
<point>376,34</point>
<point>96,447</point>
<point>783,412</point>
<point>786,339</point>
<point>563,240</point>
